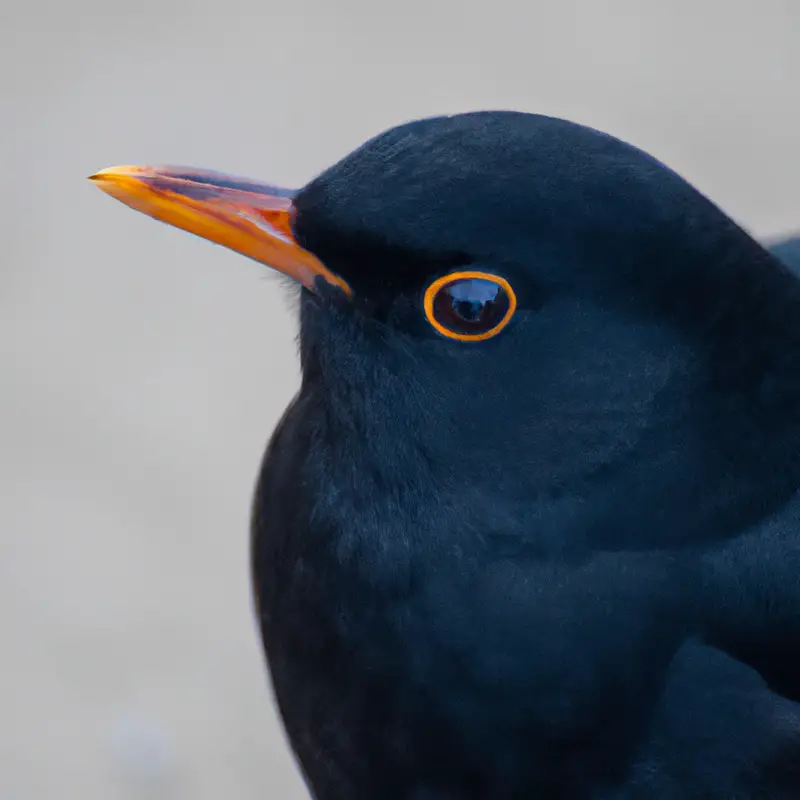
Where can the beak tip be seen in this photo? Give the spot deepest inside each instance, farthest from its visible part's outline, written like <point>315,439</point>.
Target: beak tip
<point>102,178</point>
<point>110,173</point>
<point>101,173</point>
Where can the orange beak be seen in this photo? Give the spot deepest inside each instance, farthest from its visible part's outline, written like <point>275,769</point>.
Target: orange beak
<point>252,218</point>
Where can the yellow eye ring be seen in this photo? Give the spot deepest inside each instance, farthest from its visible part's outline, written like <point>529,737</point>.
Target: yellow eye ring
<point>499,310</point>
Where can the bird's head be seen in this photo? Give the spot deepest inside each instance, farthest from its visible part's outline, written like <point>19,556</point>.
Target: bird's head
<point>496,288</point>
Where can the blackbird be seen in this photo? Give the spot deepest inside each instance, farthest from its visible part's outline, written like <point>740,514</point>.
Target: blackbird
<point>531,526</point>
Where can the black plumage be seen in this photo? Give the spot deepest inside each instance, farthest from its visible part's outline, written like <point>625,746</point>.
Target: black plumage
<point>530,528</point>
<point>561,562</point>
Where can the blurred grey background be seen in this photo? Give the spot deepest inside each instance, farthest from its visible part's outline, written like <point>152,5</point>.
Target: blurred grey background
<point>143,369</point>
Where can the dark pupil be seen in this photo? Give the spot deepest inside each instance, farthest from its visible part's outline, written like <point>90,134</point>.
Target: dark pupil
<point>470,305</point>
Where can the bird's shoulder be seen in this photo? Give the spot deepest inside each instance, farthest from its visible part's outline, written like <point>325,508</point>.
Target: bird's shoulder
<point>717,730</point>
<point>788,251</point>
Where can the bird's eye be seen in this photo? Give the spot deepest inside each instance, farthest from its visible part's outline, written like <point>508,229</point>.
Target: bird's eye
<point>470,306</point>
